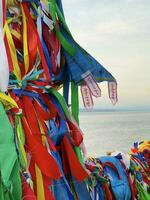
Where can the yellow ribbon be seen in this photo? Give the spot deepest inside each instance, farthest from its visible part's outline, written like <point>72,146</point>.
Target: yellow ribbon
<point>7,101</point>
<point>20,137</point>
<point>25,41</point>
<point>143,146</point>
<point>11,2</point>
<point>39,183</point>
<point>16,34</point>
<point>12,51</point>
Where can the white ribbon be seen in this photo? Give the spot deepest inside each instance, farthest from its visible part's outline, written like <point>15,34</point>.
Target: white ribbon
<point>48,22</point>
<point>87,97</point>
<point>39,23</point>
<point>4,68</point>
<point>112,90</point>
<point>92,84</point>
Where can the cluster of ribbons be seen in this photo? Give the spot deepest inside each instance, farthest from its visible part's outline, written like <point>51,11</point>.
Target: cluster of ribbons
<point>41,145</point>
<point>38,147</point>
<point>121,176</point>
<point>140,168</point>
<point>40,51</point>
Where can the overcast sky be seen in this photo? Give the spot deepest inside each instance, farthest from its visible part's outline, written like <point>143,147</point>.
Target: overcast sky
<point>117,34</point>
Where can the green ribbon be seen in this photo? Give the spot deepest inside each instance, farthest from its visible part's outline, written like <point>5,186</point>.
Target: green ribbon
<point>62,102</point>
<point>75,102</point>
<point>62,19</point>
<point>18,127</point>
<point>75,113</point>
<point>55,12</point>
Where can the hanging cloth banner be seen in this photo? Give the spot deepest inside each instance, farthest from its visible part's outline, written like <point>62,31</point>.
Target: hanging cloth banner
<point>87,97</point>
<point>112,90</point>
<point>4,68</point>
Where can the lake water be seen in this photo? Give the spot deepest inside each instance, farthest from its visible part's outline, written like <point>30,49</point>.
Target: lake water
<point>108,131</point>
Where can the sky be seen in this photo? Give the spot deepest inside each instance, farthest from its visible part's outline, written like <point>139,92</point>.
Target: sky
<point>117,34</point>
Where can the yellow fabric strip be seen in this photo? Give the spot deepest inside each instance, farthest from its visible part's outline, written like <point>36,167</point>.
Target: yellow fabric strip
<point>11,2</point>
<point>13,52</point>
<point>42,133</point>
<point>10,19</point>
<point>25,41</point>
<point>16,34</point>
<point>20,137</point>
<point>34,6</point>
<point>44,1</point>
<point>143,146</point>
<point>7,101</point>
<point>39,183</point>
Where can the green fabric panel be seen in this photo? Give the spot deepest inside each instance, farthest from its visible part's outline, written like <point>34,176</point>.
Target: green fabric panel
<point>142,193</point>
<point>1,190</point>
<point>9,168</point>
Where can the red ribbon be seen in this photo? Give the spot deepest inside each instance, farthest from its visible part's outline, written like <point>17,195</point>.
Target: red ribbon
<point>34,32</point>
<point>53,45</point>
<point>32,44</point>
<point>27,193</point>
<point>75,134</point>
<point>76,168</point>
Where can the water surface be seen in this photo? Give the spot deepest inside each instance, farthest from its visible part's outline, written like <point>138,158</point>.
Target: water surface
<point>108,131</point>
